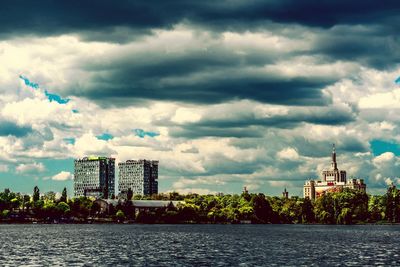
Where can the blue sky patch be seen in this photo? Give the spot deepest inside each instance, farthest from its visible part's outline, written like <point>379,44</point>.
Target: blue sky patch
<point>24,184</point>
<point>29,83</point>
<point>142,133</point>
<point>11,128</point>
<point>57,98</point>
<point>105,136</point>
<point>380,146</point>
<point>397,81</point>
<point>70,140</point>
<point>51,97</point>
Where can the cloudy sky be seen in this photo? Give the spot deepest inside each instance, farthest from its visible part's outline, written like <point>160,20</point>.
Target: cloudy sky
<point>224,94</point>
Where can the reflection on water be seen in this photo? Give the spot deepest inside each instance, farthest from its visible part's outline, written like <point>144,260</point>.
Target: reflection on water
<point>200,245</point>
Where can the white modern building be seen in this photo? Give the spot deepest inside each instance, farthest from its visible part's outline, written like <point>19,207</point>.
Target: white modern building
<point>141,176</point>
<point>94,176</point>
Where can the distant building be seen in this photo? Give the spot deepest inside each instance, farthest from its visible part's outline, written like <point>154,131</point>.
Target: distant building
<point>333,180</point>
<point>141,176</point>
<point>94,176</point>
<point>245,191</point>
<point>285,194</point>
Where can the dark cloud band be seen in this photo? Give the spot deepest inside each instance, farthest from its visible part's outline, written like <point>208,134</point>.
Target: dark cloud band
<point>57,17</point>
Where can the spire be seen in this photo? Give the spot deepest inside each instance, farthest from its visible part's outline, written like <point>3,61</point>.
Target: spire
<point>245,190</point>
<point>285,194</point>
<point>333,163</point>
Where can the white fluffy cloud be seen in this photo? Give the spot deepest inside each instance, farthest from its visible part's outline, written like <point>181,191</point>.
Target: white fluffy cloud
<point>62,176</point>
<point>30,168</point>
<point>288,153</point>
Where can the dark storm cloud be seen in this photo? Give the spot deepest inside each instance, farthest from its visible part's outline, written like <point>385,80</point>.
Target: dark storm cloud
<point>313,148</point>
<point>369,45</point>
<point>10,128</point>
<point>308,147</point>
<point>220,164</point>
<point>202,131</point>
<point>49,17</point>
<point>247,125</point>
<point>36,139</point>
<point>326,116</point>
<point>219,74</point>
<point>214,75</point>
<point>287,91</point>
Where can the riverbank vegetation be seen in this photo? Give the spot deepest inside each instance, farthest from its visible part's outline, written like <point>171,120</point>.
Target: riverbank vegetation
<point>346,207</point>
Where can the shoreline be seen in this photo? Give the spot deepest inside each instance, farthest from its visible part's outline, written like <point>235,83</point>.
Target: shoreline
<point>204,223</point>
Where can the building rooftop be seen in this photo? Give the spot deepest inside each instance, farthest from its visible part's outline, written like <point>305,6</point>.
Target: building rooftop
<point>154,203</point>
<point>93,158</point>
<point>138,161</point>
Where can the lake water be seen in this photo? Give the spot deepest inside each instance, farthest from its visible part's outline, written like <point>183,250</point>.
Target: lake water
<point>199,245</point>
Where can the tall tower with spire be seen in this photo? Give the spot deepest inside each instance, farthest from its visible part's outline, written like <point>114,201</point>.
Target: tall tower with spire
<point>334,174</point>
<point>334,163</point>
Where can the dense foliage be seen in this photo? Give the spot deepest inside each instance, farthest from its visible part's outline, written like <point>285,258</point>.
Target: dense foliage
<point>346,207</point>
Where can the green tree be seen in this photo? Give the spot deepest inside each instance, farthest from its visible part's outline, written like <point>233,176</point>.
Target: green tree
<point>262,208</point>
<point>291,210</point>
<point>26,202</point>
<point>245,212</point>
<point>392,204</point>
<point>49,211</point>
<point>189,212</point>
<point>345,216</point>
<point>80,207</point>
<point>120,215</point>
<point>129,194</point>
<point>5,213</point>
<point>51,196</point>
<point>376,208</point>
<point>63,208</point>
<point>64,196</point>
<point>246,195</point>
<point>15,203</point>
<point>307,212</point>
<point>36,194</point>
<point>324,209</point>
<point>5,199</point>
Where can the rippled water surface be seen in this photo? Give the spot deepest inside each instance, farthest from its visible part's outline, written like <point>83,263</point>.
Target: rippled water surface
<point>199,245</point>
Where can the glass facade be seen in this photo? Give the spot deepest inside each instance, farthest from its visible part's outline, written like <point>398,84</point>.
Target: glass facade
<point>141,176</point>
<point>94,176</point>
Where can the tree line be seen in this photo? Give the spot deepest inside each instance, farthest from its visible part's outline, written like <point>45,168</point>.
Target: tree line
<point>345,207</point>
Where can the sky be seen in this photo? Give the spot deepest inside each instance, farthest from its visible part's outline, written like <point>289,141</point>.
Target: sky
<point>225,94</point>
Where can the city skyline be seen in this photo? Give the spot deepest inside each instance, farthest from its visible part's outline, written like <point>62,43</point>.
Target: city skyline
<point>227,95</point>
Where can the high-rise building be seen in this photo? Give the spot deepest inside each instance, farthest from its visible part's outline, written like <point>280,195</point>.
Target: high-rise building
<point>333,180</point>
<point>141,176</point>
<point>94,176</point>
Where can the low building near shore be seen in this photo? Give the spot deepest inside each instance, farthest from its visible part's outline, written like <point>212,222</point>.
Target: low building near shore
<point>333,180</point>
<point>106,205</point>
